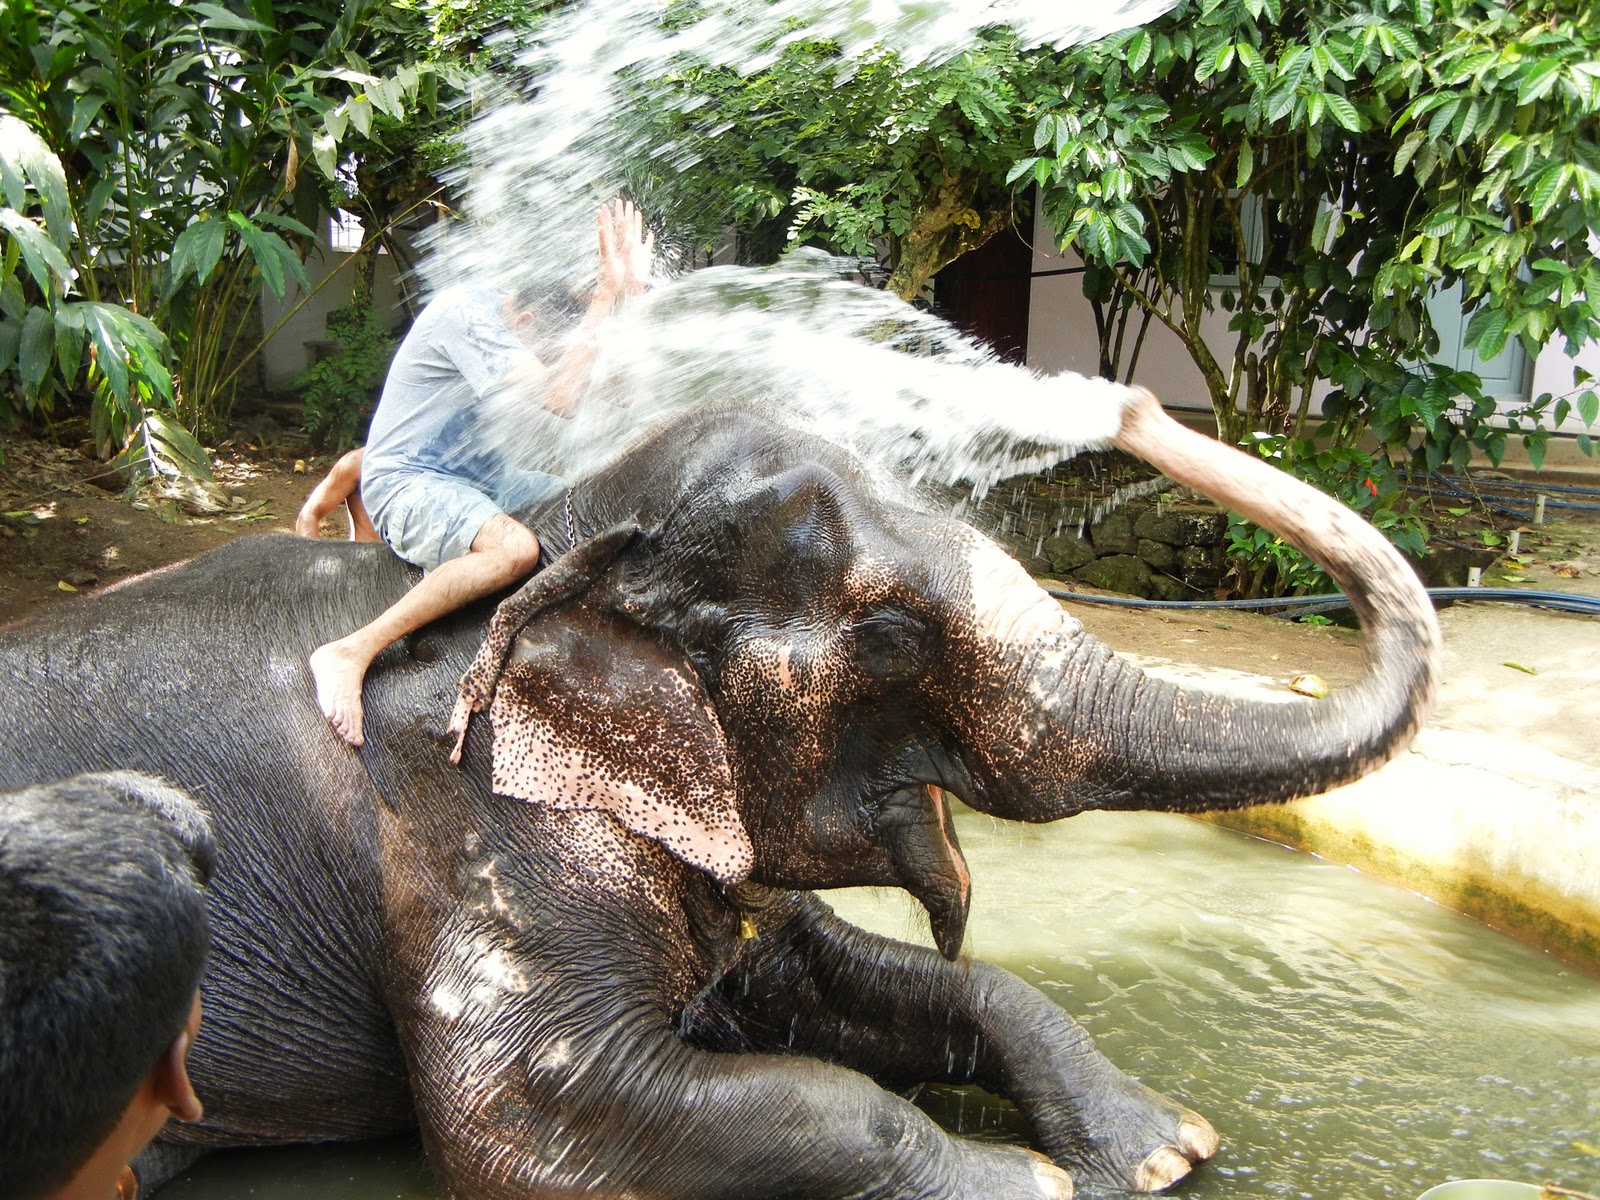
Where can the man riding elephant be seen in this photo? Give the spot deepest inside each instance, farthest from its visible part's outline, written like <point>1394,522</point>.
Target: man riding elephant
<point>434,493</point>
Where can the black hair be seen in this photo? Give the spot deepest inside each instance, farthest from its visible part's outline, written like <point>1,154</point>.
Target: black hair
<point>555,311</point>
<point>103,938</point>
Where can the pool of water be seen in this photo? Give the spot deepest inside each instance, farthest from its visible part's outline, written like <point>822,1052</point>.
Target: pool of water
<point>1347,1038</point>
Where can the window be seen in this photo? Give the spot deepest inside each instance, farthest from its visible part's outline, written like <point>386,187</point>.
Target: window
<point>345,232</point>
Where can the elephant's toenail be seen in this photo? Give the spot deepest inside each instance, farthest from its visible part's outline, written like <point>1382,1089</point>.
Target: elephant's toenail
<point>1163,1168</point>
<point>1197,1138</point>
<point>1054,1183</point>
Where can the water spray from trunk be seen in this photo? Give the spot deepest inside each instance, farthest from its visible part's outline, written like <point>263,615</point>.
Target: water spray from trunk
<point>849,362</point>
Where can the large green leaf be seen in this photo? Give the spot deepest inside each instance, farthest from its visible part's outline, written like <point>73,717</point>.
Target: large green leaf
<point>273,256</point>
<point>217,17</point>
<point>36,350</point>
<point>280,221</point>
<point>69,346</point>
<point>46,263</point>
<point>26,155</point>
<point>198,250</point>
<point>10,340</point>
<point>172,449</point>
<point>126,346</point>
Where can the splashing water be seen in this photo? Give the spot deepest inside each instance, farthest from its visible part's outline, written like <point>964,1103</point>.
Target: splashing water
<point>847,361</point>
<point>844,361</point>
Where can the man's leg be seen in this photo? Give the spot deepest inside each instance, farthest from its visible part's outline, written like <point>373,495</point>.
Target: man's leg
<point>502,553</point>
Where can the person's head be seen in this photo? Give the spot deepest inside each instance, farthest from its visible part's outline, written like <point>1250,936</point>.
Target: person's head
<point>541,314</point>
<point>102,940</point>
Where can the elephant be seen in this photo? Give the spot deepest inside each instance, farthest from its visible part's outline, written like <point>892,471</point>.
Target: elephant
<point>560,912</point>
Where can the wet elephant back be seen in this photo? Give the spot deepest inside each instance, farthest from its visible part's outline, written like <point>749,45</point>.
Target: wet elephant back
<point>197,673</point>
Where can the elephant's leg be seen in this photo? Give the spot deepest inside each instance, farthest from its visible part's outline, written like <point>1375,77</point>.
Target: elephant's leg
<point>814,984</point>
<point>599,1098</point>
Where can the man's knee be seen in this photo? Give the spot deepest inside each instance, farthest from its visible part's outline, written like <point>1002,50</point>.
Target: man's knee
<point>511,545</point>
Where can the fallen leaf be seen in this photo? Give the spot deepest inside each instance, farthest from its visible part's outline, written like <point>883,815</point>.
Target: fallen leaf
<point>1516,666</point>
<point>1566,570</point>
<point>1309,685</point>
<point>299,466</point>
<point>65,586</point>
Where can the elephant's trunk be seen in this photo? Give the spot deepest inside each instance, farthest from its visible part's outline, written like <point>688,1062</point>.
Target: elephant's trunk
<point>1086,730</point>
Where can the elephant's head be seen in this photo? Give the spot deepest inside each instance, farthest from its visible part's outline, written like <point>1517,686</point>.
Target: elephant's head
<point>779,672</point>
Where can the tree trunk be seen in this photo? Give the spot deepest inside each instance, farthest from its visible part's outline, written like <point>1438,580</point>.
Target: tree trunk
<point>946,226</point>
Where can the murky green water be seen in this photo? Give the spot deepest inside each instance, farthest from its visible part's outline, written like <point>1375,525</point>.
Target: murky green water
<point>1347,1038</point>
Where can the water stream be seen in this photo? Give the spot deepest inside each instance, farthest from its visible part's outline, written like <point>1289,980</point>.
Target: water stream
<point>1348,1038</point>
<point>851,362</point>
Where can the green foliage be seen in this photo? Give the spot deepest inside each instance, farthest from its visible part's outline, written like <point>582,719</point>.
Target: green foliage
<point>340,390</point>
<point>1265,565</point>
<point>1334,163</point>
<point>198,145</point>
<point>51,339</point>
<point>851,154</point>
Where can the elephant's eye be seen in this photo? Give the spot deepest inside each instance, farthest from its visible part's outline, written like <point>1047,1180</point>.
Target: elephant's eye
<point>889,644</point>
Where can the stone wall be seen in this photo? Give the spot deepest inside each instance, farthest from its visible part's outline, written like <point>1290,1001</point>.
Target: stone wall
<point>1162,544</point>
<point>1147,539</point>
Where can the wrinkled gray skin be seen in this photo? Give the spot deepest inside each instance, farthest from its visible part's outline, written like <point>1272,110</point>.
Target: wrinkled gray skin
<point>752,678</point>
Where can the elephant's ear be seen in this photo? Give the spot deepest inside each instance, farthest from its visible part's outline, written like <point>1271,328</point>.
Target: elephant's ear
<point>562,580</point>
<point>594,713</point>
<point>590,712</point>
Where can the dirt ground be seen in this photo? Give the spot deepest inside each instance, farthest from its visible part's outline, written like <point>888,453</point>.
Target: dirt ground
<point>63,535</point>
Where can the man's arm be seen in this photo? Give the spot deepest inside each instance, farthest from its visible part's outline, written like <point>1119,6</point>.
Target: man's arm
<point>342,485</point>
<point>624,269</point>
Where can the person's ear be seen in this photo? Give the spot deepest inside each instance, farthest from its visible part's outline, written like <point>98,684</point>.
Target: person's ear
<point>172,1086</point>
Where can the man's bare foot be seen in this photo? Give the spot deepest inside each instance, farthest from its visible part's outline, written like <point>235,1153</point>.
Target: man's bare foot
<point>337,672</point>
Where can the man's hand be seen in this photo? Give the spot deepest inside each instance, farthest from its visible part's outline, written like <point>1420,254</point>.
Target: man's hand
<point>625,251</point>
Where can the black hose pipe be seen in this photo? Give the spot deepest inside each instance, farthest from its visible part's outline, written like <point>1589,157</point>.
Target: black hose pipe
<point>1334,601</point>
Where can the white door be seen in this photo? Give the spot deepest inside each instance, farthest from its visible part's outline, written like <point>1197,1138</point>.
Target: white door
<point>1505,376</point>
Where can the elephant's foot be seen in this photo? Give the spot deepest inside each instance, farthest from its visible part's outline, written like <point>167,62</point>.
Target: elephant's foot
<point>1005,1172</point>
<point>1165,1165</point>
<point>1127,1136</point>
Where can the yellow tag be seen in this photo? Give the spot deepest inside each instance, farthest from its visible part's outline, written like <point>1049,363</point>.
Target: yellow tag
<point>747,928</point>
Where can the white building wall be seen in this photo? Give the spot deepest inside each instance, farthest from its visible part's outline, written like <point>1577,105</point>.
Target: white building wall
<point>1061,337</point>
<point>293,348</point>
<point>1061,334</point>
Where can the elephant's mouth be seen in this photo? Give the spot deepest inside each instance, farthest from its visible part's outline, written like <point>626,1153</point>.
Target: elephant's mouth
<point>915,827</point>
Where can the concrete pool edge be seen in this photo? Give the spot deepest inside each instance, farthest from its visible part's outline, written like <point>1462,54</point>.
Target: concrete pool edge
<point>1524,907</point>
<point>1495,809</point>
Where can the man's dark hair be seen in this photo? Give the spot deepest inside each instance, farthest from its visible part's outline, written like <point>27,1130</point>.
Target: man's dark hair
<point>556,310</point>
<point>102,940</point>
